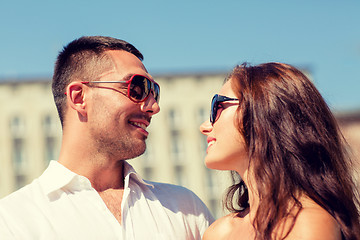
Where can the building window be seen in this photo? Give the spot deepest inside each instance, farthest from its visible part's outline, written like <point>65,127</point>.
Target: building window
<point>176,147</point>
<point>148,173</point>
<point>174,119</point>
<point>214,191</point>
<point>50,140</point>
<point>176,141</point>
<point>180,175</point>
<point>50,146</point>
<point>148,156</point>
<point>17,128</point>
<point>177,152</point>
<point>215,207</point>
<point>18,154</point>
<point>148,162</point>
<point>202,115</point>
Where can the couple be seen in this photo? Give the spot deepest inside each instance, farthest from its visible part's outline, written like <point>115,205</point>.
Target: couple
<point>268,124</point>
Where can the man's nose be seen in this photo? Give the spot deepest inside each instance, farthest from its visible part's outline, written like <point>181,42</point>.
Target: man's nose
<point>150,105</point>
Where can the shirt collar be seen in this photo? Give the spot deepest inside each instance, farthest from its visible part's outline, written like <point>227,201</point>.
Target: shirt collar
<point>57,176</point>
<point>129,172</point>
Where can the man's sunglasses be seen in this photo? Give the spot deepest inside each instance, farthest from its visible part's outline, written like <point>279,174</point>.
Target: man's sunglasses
<point>215,106</point>
<point>139,88</point>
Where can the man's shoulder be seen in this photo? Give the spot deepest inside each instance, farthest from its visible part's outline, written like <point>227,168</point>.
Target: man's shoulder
<point>171,189</point>
<point>176,195</point>
<point>16,208</point>
<point>181,199</point>
<point>21,197</point>
<point>20,193</point>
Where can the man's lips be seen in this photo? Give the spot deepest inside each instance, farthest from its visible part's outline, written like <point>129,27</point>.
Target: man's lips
<point>140,123</point>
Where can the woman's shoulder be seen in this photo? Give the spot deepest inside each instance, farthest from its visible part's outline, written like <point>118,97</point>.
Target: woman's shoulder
<point>314,222</point>
<point>226,227</point>
<point>220,229</point>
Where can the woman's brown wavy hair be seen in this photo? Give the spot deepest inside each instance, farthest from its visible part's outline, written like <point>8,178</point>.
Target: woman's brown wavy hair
<point>295,147</point>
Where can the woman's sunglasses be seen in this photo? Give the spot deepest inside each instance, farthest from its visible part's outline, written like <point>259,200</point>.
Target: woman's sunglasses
<point>139,88</point>
<point>215,106</point>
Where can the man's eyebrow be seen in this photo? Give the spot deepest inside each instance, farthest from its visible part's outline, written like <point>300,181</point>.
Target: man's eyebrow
<point>128,76</point>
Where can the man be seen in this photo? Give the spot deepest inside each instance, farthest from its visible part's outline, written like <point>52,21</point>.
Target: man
<point>105,99</point>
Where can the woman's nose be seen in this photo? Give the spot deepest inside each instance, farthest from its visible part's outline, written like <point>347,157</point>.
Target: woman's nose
<point>206,127</point>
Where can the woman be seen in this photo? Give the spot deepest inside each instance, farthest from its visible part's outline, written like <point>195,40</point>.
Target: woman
<point>272,128</point>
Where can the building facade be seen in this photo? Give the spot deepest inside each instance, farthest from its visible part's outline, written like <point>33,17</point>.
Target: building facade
<point>31,135</point>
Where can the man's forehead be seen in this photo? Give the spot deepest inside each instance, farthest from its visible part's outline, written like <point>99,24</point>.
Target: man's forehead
<point>114,75</point>
<point>107,74</point>
<point>122,56</point>
<point>125,63</point>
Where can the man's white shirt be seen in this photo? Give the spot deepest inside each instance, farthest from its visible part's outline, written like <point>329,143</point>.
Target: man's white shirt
<point>63,205</point>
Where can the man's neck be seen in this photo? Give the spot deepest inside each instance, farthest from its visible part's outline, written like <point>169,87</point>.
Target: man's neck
<point>78,154</point>
<point>103,173</point>
<point>104,178</point>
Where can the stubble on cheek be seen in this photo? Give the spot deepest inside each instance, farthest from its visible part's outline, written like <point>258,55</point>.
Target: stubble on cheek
<point>119,144</point>
<point>114,136</point>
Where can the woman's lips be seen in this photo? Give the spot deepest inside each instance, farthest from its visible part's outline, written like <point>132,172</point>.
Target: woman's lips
<point>210,141</point>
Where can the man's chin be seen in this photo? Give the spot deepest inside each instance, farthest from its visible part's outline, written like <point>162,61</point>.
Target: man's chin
<point>138,151</point>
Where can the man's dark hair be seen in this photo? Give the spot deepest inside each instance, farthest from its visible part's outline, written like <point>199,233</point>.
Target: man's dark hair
<point>84,59</point>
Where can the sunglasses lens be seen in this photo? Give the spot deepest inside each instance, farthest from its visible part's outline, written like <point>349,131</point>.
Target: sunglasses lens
<point>139,88</point>
<point>214,107</point>
<point>156,92</point>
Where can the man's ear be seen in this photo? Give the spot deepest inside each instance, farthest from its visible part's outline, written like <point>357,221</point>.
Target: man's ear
<point>76,97</point>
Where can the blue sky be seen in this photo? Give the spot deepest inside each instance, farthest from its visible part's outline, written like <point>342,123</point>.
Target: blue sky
<point>192,35</point>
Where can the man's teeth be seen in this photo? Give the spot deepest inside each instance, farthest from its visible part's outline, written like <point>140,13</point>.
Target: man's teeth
<point>143,126</point>
<point>211,143</point>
